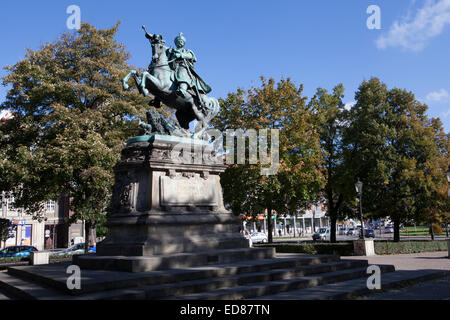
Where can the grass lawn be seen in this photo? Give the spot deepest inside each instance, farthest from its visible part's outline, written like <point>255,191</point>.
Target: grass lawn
<point>417,231</point>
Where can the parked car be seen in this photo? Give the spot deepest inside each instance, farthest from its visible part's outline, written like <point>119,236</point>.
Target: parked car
<point>323,234</point>
<point>388,229</point>
<point>369,233</point>
<point>259,237</point>
<point>73,250</point>
<point>342,231</point>
<point>352,232</point>
<point>17,252</point>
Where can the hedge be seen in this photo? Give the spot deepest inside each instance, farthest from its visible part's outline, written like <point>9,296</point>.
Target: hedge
<point>340,248</point>
<point>11,260</point>
<point>346,248</point>
<point>412,246</point>
<point>52,259</point>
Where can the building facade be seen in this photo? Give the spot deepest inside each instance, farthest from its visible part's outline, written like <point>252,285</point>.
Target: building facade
<point>302,224</point>
<point>52,232</point>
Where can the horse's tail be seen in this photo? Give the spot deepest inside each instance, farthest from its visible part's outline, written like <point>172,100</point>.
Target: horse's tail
<point>213,107</point>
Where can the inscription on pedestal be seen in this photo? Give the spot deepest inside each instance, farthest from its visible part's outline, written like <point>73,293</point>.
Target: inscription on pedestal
<point>188,191</point>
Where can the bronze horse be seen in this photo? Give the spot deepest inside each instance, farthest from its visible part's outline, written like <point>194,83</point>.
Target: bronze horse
<point>160,81</point>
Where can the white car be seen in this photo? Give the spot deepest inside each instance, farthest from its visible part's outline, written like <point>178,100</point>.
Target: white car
<point>76,249</point>
<point>258,237</point>
<point>388,230</point>
<point>323,234</point>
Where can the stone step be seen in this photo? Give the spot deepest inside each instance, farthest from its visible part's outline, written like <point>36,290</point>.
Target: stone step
<point>357,287</point>
<point>209,284</point>
<point>272,287</point>
<point>4,297</point>
<point>97,280</point>
<point>26,290</point>
<point>171,261</point>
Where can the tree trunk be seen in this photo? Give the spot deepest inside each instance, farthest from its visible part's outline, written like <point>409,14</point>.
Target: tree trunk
<point>269,224</point>
<point>333,221</point>
<point>432,232</point>
<point>89,231</point>
<point>446,228</point>
<point>333,213</point>
<point>396,230</point>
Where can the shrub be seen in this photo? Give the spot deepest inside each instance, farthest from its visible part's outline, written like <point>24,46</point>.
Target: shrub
<point>341,248</point>
<point>52,259</point>
<point>11,260</point>
<point>346,248</point>
<point>413,246</point>
<point>437,229</point>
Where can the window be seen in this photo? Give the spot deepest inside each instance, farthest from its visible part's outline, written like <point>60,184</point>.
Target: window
<point>13,249</point>
<point>50,206</point>
<point>10,204</point>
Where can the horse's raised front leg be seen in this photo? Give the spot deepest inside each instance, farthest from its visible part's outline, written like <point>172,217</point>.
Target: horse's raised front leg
<point>125,85</point>
<point>148,81</point>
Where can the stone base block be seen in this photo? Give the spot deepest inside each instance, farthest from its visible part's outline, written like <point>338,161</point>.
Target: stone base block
<point>39,257</point>
<point>172,261</point>
<point>364,248</point>
<point>156,234</point>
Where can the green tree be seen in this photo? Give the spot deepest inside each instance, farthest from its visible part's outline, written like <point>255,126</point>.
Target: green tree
<point>6,229</point>
<point>71,118</point>
<point>391,145</point>
<point>278,106</point>
<point>329,114</point>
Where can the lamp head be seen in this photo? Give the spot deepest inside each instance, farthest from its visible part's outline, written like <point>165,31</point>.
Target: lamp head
<point>358,187</point>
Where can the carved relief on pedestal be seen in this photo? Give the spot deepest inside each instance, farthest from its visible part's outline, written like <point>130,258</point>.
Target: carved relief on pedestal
<point>135,154</point>
<point>187,189</point>
<point>160,154</point>
<point>123,192</point>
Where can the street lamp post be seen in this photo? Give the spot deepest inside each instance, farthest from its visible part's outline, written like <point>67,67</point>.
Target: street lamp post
<point>358,187</point>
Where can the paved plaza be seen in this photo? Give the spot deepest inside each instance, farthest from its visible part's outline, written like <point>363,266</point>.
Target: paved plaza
<point>438,289</point>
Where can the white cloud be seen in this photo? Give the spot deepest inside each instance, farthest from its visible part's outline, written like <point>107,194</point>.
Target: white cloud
<point>445,114</point>
<point>349,105</point>
<point>438,96</point>
<point>414,33</point>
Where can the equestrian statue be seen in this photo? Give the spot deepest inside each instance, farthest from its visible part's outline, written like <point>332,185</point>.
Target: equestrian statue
<point>172,80</point>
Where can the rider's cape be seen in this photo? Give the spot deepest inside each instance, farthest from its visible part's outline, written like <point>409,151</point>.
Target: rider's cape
<point>201,85</point>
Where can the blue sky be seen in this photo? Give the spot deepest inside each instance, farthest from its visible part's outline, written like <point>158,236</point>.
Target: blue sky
<point>318,43</point>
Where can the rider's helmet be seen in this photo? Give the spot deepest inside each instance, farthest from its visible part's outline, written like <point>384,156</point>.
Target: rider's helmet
<point>179,38</point>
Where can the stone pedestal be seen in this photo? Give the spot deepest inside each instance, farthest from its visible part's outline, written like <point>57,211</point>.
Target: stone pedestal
<point>39,258</point>
<point>167,200</point>
<point>363,247</point>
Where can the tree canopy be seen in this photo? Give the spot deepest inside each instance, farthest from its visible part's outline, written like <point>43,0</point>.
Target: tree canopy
<point>330,120</point>
<point>392,147</point>
<point>6,229</point>
<point>279,106</point>
<point>71,118</point>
